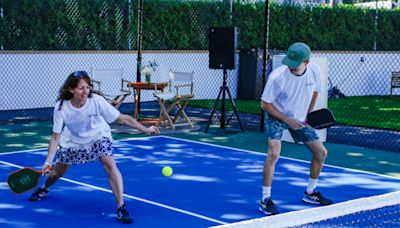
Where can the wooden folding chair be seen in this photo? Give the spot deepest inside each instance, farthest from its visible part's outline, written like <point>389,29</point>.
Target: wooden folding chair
<point>111,84</point>
<point>180,91</point>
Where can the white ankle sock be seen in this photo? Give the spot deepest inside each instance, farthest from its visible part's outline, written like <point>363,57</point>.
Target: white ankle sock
<point>266,192</point>
<point>312,184</point>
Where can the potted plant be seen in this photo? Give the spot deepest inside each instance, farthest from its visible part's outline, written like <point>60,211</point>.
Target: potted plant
<point>148,69</point>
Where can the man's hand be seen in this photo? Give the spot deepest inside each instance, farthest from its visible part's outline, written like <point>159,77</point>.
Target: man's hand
<point>295,124</point>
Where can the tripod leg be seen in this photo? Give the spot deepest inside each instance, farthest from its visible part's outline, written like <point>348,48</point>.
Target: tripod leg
<point>213,110</point>
<point>234,108</point>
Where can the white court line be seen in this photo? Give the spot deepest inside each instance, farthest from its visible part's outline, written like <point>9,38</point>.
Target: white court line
<point>191,141</point>
<point>130,197</point>
<point>226,147</point>
<point>44,148</point>
<point>22,151</point>
<point>293,159</point>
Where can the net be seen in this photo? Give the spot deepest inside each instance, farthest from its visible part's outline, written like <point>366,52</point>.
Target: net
<point>376,211</point>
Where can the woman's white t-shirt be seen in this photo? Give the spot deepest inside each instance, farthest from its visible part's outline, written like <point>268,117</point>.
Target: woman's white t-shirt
<point>87,123</point>
<point>292,94</point>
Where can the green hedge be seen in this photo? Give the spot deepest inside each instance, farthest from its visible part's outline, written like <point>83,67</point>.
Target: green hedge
<point>64,25</point>
<point>183,25</point>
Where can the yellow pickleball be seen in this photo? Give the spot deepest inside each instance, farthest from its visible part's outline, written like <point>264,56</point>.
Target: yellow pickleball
<point>167,171</point>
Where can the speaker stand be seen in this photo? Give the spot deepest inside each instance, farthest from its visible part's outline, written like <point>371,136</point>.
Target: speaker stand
<point>223,90</point>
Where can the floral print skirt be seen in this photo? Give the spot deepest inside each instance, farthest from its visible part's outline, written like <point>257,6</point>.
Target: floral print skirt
<point>81,154</point>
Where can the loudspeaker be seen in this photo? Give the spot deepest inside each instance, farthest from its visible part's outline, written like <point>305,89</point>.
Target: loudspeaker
<point>222,47</point>
<point>250,84</point>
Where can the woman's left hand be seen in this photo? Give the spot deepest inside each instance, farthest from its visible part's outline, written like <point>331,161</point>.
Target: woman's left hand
<point>153,130</point>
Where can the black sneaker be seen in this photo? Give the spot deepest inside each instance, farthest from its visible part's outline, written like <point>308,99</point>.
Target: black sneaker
<point>268,207</point>
<point>38,194</point>
<point>123,215</point>
<point>316,198</point>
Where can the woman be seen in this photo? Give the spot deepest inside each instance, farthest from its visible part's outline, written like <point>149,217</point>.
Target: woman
<point>86,136</point>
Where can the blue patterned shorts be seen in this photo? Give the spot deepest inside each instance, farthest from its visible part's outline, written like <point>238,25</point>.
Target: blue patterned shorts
<point>73,156</point>
<point>274,128</point>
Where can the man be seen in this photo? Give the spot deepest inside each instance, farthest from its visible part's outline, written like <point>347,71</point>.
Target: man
<point>290,93</point>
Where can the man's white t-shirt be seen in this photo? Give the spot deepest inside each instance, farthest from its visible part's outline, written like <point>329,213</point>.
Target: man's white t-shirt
<point>292,94</point>
<point>87,123</point>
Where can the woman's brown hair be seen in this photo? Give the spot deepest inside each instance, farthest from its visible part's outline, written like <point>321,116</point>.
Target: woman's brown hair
<point>71,83</point>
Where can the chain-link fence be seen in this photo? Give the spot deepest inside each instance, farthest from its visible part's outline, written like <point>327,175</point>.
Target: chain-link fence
<point>43,41</point>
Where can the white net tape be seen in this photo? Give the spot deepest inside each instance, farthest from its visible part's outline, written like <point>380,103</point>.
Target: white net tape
<point>297,218</point>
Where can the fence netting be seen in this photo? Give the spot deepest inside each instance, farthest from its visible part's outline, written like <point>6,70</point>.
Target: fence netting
<point>42,42</point>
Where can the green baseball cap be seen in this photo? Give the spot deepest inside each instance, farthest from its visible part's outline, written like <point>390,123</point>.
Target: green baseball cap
<point>297,53</point>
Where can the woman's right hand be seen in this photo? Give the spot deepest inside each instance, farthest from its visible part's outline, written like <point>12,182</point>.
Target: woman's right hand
<point>46,168</point>
<point>153,130</point>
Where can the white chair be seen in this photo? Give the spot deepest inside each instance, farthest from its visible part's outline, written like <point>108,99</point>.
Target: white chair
<point>110,83</point>
<point>180,91</point>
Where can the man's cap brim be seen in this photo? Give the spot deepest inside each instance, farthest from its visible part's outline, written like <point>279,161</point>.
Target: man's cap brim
<point>291,63</point>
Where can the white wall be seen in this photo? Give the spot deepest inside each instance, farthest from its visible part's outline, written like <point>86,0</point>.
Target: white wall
<point>362,73</point>
<point>32,80</point>
<point>206,81</point>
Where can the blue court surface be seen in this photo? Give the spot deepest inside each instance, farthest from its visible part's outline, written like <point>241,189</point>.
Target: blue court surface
<point>211,185</point>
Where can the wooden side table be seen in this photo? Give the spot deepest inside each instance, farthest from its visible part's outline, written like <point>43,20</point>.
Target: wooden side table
<point>137,87</point>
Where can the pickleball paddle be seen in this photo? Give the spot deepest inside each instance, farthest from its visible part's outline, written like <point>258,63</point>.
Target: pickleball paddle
<point>320,119</point>
<point>24,179</point>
